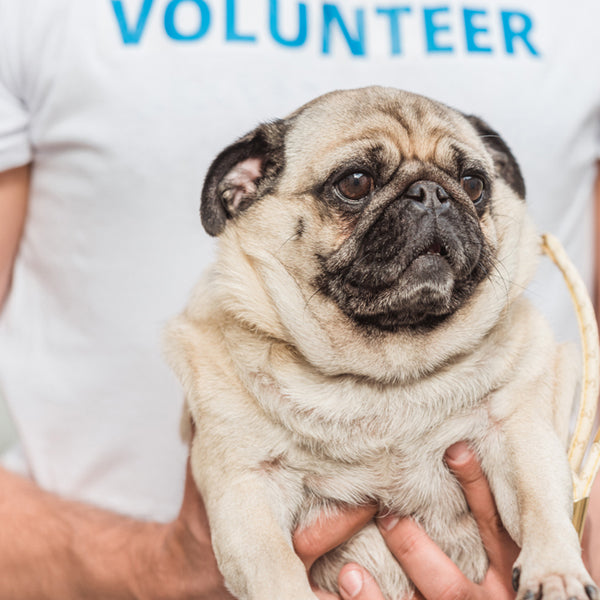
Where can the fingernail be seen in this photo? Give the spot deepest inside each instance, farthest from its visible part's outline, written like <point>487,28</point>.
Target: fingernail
<point>459,452</point>
<point>351,582</point>
<point>388,522</point>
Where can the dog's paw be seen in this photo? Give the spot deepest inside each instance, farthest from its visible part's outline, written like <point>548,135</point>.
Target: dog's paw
<point>561,584</point>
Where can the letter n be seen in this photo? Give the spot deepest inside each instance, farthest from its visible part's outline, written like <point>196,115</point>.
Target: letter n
<point>356,44</point>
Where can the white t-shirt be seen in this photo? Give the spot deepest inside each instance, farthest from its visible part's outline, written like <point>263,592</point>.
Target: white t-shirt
<point>122,105</point>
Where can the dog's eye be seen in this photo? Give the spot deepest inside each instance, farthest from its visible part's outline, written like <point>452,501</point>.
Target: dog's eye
<point>474,187</point>
<point>355,186</point>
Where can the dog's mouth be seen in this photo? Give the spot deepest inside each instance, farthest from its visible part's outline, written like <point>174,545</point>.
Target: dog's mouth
<point>435,248</point>
<point>432,256</point>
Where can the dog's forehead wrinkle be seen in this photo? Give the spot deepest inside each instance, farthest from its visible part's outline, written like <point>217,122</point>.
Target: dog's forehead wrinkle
<point>387,110</point>
<point>319,150</point>
<point>373,148</point>
<point>386,135</point>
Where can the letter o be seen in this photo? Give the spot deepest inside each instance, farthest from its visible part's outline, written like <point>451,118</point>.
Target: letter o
<point>172,30</point>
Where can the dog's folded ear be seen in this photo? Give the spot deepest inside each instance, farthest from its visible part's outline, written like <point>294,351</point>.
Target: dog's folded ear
<point>504,161</point>
<point>241,174</point>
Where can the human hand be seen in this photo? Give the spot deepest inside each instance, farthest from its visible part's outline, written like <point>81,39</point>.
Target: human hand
<point>327,533</point>
<point>433,573</point>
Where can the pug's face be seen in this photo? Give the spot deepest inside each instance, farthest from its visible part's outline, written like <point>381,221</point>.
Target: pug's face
<point>388,197</point>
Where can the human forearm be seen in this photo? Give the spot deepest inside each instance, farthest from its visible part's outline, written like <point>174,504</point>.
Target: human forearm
<point>52,548</point>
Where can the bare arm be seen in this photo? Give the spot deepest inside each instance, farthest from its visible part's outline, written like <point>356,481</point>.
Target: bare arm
<point>52,548</point>
<point>14,190</point>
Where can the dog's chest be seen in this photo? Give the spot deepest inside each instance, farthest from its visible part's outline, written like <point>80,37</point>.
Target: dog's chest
<point>404,473</point>
<point>354,443</point>
<point>349,440</point>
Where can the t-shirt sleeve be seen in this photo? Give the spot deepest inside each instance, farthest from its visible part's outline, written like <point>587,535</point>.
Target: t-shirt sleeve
<point>15,147</point>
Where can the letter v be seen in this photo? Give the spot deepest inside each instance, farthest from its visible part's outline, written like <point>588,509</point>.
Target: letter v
<point>131,36</point>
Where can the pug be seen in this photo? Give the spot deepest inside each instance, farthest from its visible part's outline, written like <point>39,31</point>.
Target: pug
<point>364,313</point>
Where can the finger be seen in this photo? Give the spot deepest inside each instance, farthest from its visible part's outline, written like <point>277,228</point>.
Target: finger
<point>463,462</point>
<point>432,572</point>
<point>329,531</point>
<point>356,583</point>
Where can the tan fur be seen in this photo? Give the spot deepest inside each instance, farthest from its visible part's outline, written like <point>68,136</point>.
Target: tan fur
<point>297,409</point>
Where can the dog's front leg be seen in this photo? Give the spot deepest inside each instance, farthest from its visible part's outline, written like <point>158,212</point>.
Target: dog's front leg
<point>253,552</point>
<point>535,466</point>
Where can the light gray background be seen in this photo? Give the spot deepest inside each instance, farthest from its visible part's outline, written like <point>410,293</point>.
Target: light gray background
<point>7,433</point>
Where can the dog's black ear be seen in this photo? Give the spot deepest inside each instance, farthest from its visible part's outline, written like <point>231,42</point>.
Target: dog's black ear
<point>241,174</point>
<point>504,161</point>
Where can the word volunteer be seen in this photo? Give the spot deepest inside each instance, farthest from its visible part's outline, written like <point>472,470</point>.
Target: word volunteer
<point>443,29</point>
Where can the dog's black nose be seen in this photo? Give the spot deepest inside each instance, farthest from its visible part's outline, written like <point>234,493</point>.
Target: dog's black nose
<point>428,195</point>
